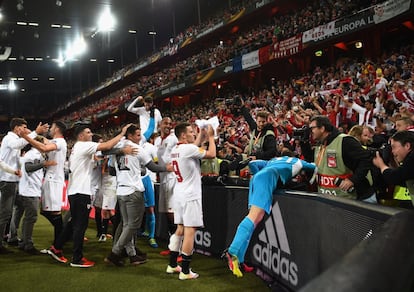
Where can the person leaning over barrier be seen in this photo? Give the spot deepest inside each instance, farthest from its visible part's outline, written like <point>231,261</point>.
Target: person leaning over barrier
<point>342,162</point>
<point>266,175</point>
<point>402,144</point>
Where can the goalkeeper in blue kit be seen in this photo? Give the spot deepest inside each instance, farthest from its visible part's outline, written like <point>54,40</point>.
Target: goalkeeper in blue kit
<point>266,174</point>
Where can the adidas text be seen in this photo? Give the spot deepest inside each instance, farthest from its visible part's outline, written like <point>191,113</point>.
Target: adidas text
<point>203,238</point>
<point>272,258</point>
<point>273,250</point>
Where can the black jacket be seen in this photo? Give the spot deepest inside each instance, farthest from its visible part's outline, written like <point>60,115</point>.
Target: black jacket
<point>399,175</point>
<point>268,150</point>
<point>357,159</point>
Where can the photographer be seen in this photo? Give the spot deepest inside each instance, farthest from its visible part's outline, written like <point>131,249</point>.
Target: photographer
<point>402,144</point>
<point>342,162</point>
<point>302,138</point>
<point>262,143</point>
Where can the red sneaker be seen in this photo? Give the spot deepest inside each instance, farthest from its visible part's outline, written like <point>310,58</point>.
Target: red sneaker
<point>165,252</point>
<point>83,263</point>
<point>245,268</point>
<point>57,254</point>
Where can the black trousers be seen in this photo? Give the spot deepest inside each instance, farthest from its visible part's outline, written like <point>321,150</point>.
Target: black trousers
<point>80,205</point>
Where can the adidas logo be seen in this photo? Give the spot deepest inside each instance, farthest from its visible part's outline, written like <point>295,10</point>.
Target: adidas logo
<point>273,250</point>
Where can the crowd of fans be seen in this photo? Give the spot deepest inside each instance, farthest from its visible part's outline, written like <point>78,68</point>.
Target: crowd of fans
<point>375,93</point>
<point>329,91</point>
<point>258,35</point>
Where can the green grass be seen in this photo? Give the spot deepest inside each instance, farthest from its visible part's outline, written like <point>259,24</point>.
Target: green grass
<point>22,272</point>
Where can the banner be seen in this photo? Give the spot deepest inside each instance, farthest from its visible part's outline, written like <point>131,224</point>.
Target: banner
<point>237,64</point>
<point>361,20</point>
<point>390,9</point>
<point>357,22</point>
<point>173,88</point>
<point>288,47</point>
<point>250,60</point>
<point>319,33</point>
<point>103,113</point>
<point>264,54</point>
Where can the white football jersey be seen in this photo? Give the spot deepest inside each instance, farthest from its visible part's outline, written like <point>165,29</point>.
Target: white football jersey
<point>56,172</point>
<point>186,163</point>
<point>128,170</point>
<point>164,147</point>
<point>152,152</point>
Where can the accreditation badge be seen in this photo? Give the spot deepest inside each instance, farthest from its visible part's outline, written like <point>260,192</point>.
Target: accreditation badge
<point>331,160</point>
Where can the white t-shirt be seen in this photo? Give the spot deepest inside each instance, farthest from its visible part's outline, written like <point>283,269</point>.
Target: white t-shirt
<point>56,173</point>
<point>186,163</point>
<point>164,147</point>
<point>10,154</point>
<point>144,117</point>
<point>81,167</point>
<point>30,183</point>
<point>152,152</point>
<point>128,170</point>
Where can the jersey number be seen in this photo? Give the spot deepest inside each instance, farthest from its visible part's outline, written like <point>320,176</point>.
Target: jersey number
<point>177,171</point>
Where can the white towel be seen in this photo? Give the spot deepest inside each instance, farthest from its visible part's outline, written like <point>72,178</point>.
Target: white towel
<point>213,122</point>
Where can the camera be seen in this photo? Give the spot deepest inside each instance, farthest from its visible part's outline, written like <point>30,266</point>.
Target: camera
<point>384,151</point>
<point>238,163</point>
<point>301,134</point>
<point>236,101</point>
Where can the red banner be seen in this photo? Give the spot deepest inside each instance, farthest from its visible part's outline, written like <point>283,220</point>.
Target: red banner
<point>287,47</point>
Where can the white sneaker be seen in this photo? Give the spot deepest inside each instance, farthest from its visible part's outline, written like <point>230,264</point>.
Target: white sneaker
<point>190,276</point>
<point>44,251</point>
<point>171,270</point>
<point>102,238</point>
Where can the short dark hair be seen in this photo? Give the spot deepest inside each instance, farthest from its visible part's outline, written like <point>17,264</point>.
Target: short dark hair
<point>148,99</point>
<point>96,137</point>
<point>404,137</point>
<point>262,114</point>
<point>131,130</point>
<point>180,129</point>
<point>61,126</point>
<point>323,121</point>
<point>15,122</point>
<point>80,128</point>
